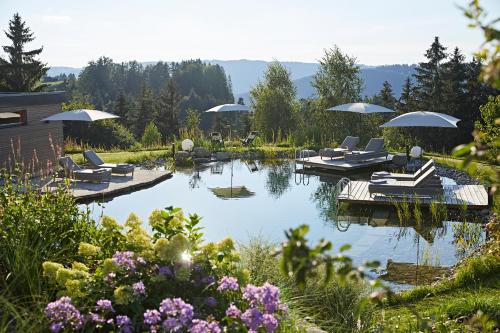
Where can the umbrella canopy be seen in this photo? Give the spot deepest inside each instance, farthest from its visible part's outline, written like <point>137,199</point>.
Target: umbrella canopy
<point>423,119</point>
<point>230,108</point>
<point>81,115</point>
<point>363,108</point>
<point>232,192</point>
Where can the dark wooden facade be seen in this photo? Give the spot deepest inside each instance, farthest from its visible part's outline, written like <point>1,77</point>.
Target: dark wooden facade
<point>32,143</point>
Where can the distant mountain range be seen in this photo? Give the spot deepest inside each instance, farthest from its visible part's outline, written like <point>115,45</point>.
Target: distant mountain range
<point>246,73</point>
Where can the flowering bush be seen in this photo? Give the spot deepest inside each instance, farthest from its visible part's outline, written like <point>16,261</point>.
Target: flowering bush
<point>168,281</point>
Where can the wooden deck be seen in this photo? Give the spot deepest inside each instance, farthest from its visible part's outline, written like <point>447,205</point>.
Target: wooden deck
<point>474,196</point>
<point>86,192</point>
<point>339,164</point>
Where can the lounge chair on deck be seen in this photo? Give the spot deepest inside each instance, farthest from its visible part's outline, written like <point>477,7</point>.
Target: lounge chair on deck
<point>97,162</point>
<point>374,149</point>
<point>249,139</point>
<point>74,171</point>
<point>216,138</point>
<point>428,184</point>
<point>403,176</point>
<point>349,144</point>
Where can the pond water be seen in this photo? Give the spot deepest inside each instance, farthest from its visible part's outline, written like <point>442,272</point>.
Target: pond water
<point>248,200</point>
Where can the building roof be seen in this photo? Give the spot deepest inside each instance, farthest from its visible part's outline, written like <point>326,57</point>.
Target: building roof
<point>31,98</point>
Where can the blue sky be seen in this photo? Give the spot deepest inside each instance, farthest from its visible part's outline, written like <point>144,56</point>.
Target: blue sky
<point>376,32</point>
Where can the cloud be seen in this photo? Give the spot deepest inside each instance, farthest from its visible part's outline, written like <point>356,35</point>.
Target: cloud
<point>57,19</point>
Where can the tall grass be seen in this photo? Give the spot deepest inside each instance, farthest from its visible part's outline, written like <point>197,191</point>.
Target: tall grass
<point>331,307</point>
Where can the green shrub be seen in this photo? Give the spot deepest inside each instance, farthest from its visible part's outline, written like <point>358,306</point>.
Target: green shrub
<point>103,133</point>
<point>151,136</point>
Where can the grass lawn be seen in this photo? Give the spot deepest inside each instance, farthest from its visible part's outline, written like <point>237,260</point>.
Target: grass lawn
<point>126,156</point>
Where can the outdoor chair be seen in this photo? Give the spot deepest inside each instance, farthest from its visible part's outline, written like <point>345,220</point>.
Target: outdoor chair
<point>249,139</point>
<point>403,176</point>
<point>216,138</point>
<point>349,144</point>
<point>74,171</point>
<point>428,184</point>
<point>374,149</point>
<point>97,162</point>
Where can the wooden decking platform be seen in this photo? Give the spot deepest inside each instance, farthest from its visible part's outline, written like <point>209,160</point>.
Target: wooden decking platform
<point>474,196</point>
<point>339,164</point>
<point>86,192</point>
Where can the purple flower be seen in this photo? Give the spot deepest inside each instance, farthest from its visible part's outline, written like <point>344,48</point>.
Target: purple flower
<point>104,305</point>
<point>151,319</point>
<point>270,297</point>
<point>165,270</point>
<point>251,293</point>
<point>178,313</point>
<point>141,260</point>
<point>207,280</point>
<point>269,322</point>
<point>202,326</point>
<point>228,283</point>
<point>139,288</point>
<point>210,301</point>
<point>109,278</point>
<point>233,311</point>
<point>62,314</point>
<point>124,324</point>
<point>252,318</point>
<point>125,260</point>
<point>94,317</point>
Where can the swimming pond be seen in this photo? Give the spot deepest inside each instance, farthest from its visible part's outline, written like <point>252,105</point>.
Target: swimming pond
<point>252,199</point>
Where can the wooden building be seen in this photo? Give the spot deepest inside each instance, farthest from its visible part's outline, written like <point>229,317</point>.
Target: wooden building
<point>24,139</point>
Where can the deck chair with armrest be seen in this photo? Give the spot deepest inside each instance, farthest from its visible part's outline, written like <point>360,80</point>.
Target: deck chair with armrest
<point>74,171</point>
<point>249,139</point>
<point>403,176</point>
<point>428,184</point>
<point>349,144</point>
<point>216,137</point>
<point>97,162</point>
<point>374,149</point>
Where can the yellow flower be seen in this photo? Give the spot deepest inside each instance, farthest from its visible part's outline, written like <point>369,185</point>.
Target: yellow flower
<point>124,295</point>
<point>88,250</point>
<point>226,245</point>
<point>110,223</point>
<point>209,249</point>
<point>155,218</point>
<point>133,221</point>
<point>164,250</point>
<point>78,266</point>
<point>65,274</point>
<point>108,266</point>
<point>73,288</point>
<point>180,243</point>
<point>138,238</point>
<point>50,269</point>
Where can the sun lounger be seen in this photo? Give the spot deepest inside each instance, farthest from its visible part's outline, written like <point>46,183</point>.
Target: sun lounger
<point>349,144</point>
<point>97,162</point>
<point>403,176</point>
<point>374,149</point>
<point>74,171</point>
<point>216,138</point>
<point>428,184</point>
<point>249,139</point>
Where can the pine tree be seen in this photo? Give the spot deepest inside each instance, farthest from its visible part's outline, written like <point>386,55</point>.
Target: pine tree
<point>145,112</point>
<point>167,117</point>
<point>429,90</point>
<point>407,101</point>
<point>386,97</point>
<point>21,72</point>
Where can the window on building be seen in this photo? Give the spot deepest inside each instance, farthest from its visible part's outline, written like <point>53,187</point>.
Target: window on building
<point>13,118</point>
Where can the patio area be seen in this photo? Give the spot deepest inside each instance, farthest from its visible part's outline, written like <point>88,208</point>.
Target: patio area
<point>142,178</point>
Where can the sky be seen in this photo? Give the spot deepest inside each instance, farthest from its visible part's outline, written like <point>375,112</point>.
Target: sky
<point>375,32</point>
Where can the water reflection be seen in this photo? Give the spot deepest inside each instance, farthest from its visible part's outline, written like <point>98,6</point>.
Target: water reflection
<point>272,202</point>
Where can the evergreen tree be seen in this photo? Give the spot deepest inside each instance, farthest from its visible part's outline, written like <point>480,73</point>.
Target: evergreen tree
<point>145,112</point>
<point>274,101</point>
<point>241,101</point>
<point>407,101</point>
<point>21,71</point>
<point>386,97</point>
<point>167,117</point>
<point>430,90</point>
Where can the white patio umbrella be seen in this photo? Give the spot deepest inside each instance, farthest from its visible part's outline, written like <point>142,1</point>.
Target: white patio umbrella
<point>80,115</point>
<point>363,108</point>
<point>229,108</point>
<point>423,119</point>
